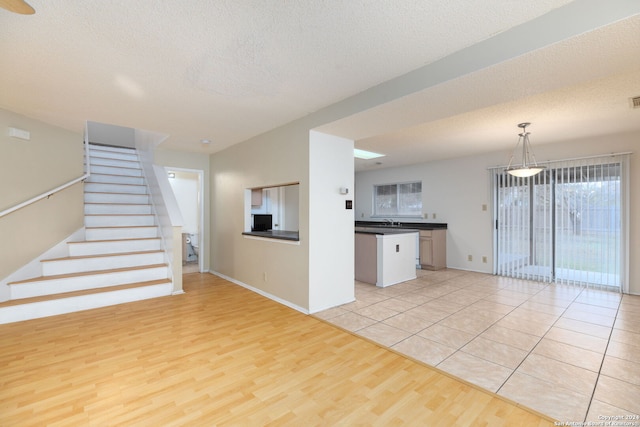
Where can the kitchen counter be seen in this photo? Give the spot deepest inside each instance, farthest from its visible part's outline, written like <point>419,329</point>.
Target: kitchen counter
<point>385,230</point>
<point>403,225</point>
<point>275,234</point>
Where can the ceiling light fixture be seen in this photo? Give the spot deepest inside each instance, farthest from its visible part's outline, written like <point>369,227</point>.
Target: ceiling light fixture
<point>205,141</point>
<point>528,167</point>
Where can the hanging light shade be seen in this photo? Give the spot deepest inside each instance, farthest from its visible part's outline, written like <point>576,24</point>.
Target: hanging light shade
<point>528,166</point>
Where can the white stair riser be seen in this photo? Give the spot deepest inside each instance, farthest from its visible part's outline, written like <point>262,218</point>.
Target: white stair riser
<point>102,187</point>
<point>113,208</point>
<point>100,161</point>
<point>79,283</point>
<point>115,179</point>
<point>139,199</point>
<point>106,154</point>
<point>68,266</point>
<point>118,220</point>
<point>113,233</point>
<point>110,170</point>
<point>113,246</point>
<point>111,148</point>
<point>40,309</point>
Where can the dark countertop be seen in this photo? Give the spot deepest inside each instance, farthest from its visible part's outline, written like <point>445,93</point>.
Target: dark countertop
<point>404,225</point>
<point>385,230</point>
<point>275,234</point>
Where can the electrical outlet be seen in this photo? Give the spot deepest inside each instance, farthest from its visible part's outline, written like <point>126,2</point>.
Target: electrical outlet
<point>484,207</point>
<point>433,216</point>
<point>426,215</point>
<point>469,258</point>
<point>264,276</point>
<point>484,259</point>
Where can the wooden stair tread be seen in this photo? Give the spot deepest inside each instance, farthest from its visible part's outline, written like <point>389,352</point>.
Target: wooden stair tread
<point>68,258</point>
<point>82,293</point>
<point>86,273</point>
<point>98,145</point>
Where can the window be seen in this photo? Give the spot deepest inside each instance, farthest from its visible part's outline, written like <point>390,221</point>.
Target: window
<point>272,212</point>
<point>403,199</point>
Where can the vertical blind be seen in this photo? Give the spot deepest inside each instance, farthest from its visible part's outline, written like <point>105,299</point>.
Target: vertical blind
<point>568,224</point>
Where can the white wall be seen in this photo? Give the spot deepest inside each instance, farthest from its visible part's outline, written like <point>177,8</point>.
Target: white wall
<point>331,259</point>
<point>291,206</point>
<point>101,133</point>
<point>455,190</point>
<point>317,271</point>
<point>273,268</point>
<point>52,157</point>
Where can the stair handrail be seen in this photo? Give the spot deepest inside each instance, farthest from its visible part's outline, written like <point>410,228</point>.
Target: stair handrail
<point>50,193</point>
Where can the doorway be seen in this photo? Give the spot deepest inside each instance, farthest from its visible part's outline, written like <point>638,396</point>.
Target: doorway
<point>187,185</point>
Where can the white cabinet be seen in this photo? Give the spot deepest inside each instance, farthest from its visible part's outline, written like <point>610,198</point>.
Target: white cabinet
<point>256,197</point>
<point>433,249</point>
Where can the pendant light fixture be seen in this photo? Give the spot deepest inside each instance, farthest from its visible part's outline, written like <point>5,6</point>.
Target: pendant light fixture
<point>528,167</point>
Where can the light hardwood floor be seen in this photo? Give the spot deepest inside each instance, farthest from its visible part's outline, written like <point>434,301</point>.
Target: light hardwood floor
<point>222,355</point>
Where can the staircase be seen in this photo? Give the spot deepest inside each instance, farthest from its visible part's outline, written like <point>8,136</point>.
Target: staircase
<point>121,259</point>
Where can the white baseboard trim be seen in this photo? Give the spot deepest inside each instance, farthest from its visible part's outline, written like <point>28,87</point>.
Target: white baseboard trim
<point>261,292</point>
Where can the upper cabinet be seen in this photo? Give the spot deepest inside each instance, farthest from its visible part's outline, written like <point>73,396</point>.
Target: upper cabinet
<point>256,197</point>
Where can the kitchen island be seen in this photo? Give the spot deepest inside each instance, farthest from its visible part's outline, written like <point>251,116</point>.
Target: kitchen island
<point>431,247</point>
<point>385,256</point>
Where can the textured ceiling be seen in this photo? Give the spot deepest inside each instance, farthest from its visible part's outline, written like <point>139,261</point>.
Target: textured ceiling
<point>229,70</point>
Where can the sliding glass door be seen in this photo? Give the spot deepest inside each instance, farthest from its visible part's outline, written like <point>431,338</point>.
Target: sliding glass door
<point>524,227</point>
<point>563,225</point>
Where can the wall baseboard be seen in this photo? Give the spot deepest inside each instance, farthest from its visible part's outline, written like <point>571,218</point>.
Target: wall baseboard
<point>260,292</point>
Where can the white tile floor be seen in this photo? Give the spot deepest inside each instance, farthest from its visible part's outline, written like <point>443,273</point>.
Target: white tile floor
<point>568,352</point>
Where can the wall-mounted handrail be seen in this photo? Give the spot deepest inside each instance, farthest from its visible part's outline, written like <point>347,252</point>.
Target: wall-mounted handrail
<point>50,193</point>
<point>43,195</point>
